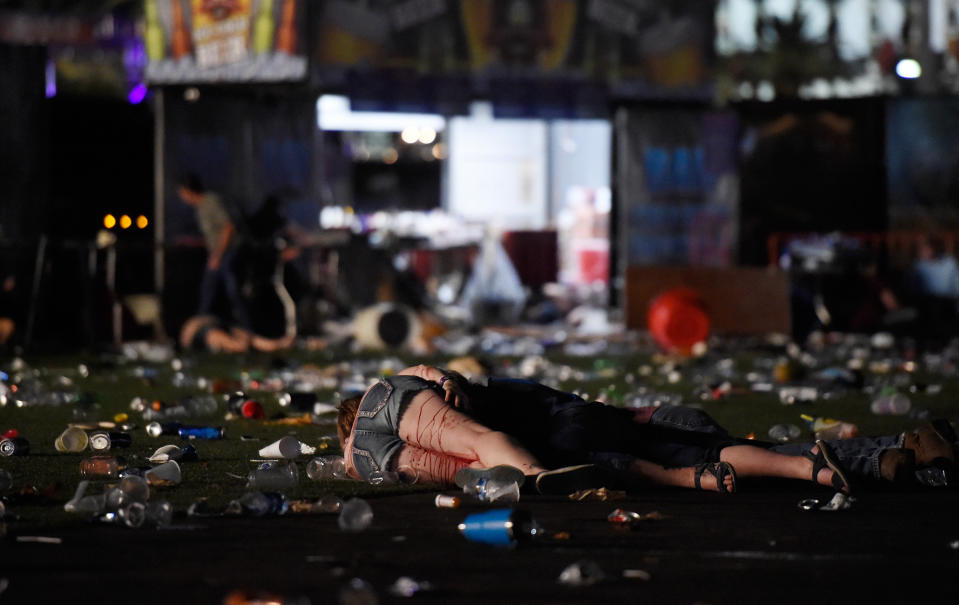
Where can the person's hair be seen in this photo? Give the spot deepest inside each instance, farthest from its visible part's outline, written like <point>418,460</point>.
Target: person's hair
<point>346,414</point>
<point>192,182</point>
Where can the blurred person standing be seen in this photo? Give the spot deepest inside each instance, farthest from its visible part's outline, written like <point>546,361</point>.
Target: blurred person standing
<point>934,288</point>
<point>219,235</point>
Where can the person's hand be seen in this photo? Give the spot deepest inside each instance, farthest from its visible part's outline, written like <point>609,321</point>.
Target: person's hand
<point>454,393</point>
<point>214,263</point>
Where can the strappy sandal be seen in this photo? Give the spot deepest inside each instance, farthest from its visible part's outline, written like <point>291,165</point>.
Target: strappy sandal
<point>826,458</point>
<point>719,471</point>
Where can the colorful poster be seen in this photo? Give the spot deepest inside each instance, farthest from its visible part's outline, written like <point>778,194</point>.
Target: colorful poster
<point>220,30</point>
<point>192,41</point>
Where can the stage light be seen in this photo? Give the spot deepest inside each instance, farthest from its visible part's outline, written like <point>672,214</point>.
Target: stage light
<point>125,222</point>
<point>137,94</point>
<point>142,222</point>
<point>427,135</point>
<point>409,135</point>
<point>109,221</point>
<point>908,69</point>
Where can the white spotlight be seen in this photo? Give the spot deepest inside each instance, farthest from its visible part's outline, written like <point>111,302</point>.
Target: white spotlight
<point>908,69</point>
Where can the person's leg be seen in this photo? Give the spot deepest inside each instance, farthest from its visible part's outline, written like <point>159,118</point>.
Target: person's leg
<point>751,461</point>
<point>208,286</point>
<point>231,286</point>
<point>860,456</point>
<point>643,472</point>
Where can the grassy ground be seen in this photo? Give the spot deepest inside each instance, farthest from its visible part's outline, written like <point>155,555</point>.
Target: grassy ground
<point>45,479</point>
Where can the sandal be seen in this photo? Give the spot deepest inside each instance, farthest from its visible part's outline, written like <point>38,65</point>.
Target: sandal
<point>719,471</point>
<point>826,458</point>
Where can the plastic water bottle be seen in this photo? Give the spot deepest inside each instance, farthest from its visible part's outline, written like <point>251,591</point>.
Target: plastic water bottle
<point>784,433</point>
<point>355,515</point>
<point>891,404</point>
<point>326,467</point>
<point>830,428</point>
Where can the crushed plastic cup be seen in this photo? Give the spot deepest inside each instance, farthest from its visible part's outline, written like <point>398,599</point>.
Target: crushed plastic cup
<point>492,490</point>
<point>784,433</point>
<point>73,439</point>
<point>355,515</point>
<point>384,478</point>
<point>259,504</point>
<point>172,452</point>
<point>132,515</point>
<point>581,573</point>
<point>407,587</point>
<point>159,513</point>
<point>130,489</point>
<point>80,503</point>
<point>167,473</point>
<point>288,447</point>
<point>273,477</point>
<point>326,467</point>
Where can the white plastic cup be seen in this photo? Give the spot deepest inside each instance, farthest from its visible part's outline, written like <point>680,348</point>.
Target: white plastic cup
<point>74,439</point>
<point>167,473</point>
<point>288,447</point>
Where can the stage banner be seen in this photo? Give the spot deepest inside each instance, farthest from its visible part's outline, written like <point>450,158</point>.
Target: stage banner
<point>591,50</point>
<point>194,41</point>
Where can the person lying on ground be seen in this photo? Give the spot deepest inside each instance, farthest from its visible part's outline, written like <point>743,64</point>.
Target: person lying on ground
<point>431,424</point>
<point>207,333</point>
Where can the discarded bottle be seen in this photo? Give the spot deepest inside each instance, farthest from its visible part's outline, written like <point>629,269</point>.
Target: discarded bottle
<point>155,429</point>
<point>259,504</point>
<point>358,592</point>
<point>132,515</point>
<point>15,446</point>
<point>830,428</point>
<point>784,433</point>
<point>101,441</point>
<point>582,573</point>
<point>932,476</point>
<point>130,489</point>
<point>301,402</point>
<point>500,527</point>
<point>273,477</point>
<point>355,515</point>
<point>82,504</point>
<point>238,403</point>
<point>384,478</point>
<point>891,404</point>
<point>492,489</point>
<point>326,467</point>
<point>443,501</point>
<point>159,513</point>
<point>201,432</point>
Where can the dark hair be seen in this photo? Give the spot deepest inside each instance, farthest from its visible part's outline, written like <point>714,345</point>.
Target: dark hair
<point>346,414</point>
<point>192,182</point>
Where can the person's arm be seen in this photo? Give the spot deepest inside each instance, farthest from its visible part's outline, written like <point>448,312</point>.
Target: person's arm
<point>431,424</point>
<point>222,243</point>
<point>450,381</point>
